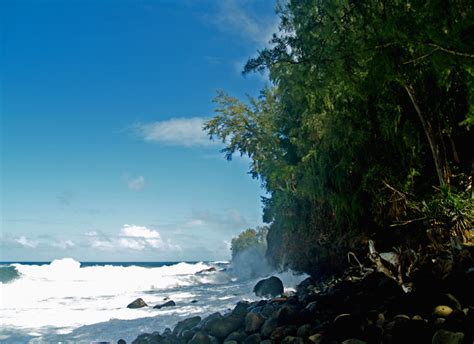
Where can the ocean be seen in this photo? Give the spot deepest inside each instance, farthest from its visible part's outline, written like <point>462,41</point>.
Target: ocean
<point>82,302</point>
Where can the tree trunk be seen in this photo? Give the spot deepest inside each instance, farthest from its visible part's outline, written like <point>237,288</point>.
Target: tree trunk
<point>435,140</point>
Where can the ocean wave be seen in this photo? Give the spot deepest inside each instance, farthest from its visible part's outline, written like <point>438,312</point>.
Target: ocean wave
<point>8,273</point>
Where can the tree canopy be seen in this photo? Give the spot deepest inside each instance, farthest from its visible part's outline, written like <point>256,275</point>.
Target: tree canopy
<point>368,125</point>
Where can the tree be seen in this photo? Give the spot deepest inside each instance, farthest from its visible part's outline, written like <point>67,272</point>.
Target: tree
<point>368,97</point>
<point>249,239</point>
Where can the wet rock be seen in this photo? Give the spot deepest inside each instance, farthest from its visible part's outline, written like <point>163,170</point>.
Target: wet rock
<point>304,331</point>
<point>121,341</point>
<point>200,338</point>
<point>241,309</point>
<point>266,341</point>
<point>268,327</point>
<point>292,340</point>
<point>206,271</point>
<point>253,322</point>
<point>147,338</point>
<point>288,314</point>
<point>253,339</point>
<point>447,337</point>
<point>222,327</point>
<point>186,324</point>
<point>353,341</point>
<point>442,311</point>
<point>138,303</point>
<point>453,302</point>
<point>316,338</point>
<point>272,287</point>
<point>281,332</point>
<point>186,335</point>
<point>204,322</point>
<point>236,336</point>
<point>170,303</point>
<point>346,325</point>
<point>231,342</point>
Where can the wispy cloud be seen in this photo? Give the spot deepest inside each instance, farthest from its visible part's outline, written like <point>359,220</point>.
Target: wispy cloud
<point>132,237</point>
<point>64,244</point>
<point>136,184</point>
<point>176,131</point>
<point>24,241</point>
<point>236,16</point>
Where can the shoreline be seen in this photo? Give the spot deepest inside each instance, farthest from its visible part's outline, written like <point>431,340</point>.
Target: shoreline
<point>362,306</point>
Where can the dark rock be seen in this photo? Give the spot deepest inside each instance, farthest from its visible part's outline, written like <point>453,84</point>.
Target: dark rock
<point>222,327</point>
<point>281,332</point>
<point>353,341</point>
<point>170,303</point>
<point>207,319</point>
<point>194,301</point>
<point>138,303</point>
<point>200,338</point>
<point>292,340</point>
<point>206,271</point>
<point>186,324</point>
<point>346,326</point>
<point>253,322</point>
<point>231,342</point>
<point>121,341</point>
<point>253,339</point>
<point>447,337</point>
<point>288,314</point>
<point>147,338</point>
<point>372,333</point>
<point>304,331</point>
<point>186,335</point>
<point>266,341</point>
<point>236,336</point>
<point>241,308</point>
<point>268,327</point>
<point>272,286</point>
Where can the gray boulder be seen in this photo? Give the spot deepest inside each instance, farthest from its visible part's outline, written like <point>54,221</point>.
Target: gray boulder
<point>138,303</point>
<point>166,304</point>
<point>186,324</point>
<point>272,287</point>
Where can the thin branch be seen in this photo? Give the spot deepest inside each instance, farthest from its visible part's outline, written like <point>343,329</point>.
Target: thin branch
<point>422,57</point>
<point>404,223</point>
<point>449,51</point>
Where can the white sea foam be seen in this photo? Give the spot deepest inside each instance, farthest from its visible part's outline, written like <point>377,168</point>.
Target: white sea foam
<point>63,301</point>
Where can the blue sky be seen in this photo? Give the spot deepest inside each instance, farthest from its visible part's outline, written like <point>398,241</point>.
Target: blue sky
<point>102,155</point>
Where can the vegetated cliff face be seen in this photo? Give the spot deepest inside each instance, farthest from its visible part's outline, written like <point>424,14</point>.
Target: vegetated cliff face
<point>369,109</point>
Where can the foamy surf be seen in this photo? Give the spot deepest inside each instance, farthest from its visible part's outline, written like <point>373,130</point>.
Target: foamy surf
<point>64,301</point>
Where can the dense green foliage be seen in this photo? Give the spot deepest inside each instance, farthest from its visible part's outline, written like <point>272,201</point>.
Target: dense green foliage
<point>250,239</point>
<point>371,107</point>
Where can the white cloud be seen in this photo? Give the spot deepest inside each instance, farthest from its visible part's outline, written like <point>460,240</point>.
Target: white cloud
<point>26,242</point>
<point>233,16</point>
<point>176,131</point>
<point>132,237</point>
<point>64,244</point>
<point>136,184</point>
<point>138,232</point>
<point>102,244</point>
<point>91,234</point>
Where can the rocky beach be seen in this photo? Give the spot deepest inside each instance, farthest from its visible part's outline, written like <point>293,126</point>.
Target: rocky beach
<point>362,305</point>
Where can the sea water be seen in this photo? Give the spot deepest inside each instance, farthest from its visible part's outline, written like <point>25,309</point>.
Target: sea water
<point>73,302</point>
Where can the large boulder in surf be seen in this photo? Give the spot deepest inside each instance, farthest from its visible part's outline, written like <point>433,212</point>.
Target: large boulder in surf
<point>170,303</point>
<point>272,286</point>
<point>138,303</point>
